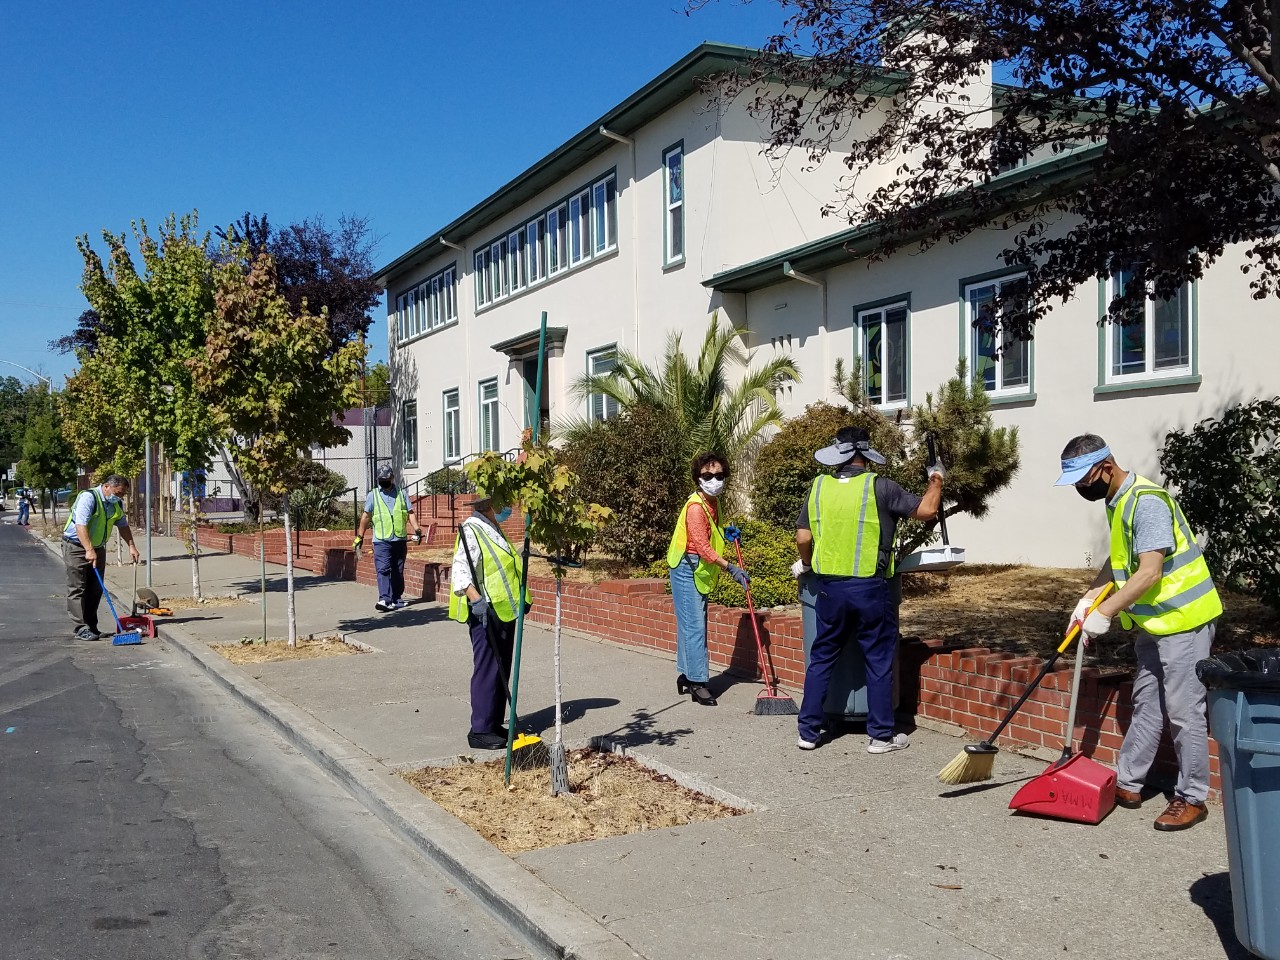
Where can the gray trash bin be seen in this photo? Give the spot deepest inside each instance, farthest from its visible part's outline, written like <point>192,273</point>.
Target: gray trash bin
<point>1244,715</point>
<point>847,694</point>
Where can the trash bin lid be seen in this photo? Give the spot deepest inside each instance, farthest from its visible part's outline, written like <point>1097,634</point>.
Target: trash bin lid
<point>1257,669</point>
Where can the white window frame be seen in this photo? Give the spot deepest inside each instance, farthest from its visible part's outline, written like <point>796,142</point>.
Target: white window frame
<point>608,406</point>
<point>480,277</point>
<point>879,314</point>
<point>671,207</point>
<point>971,339</point>
<point>452,423</point>
<point>580,228</point>
<point>1112,331</point>
<point>515,260</point>
<point>489,409</point>
<point>604,215</point>
<point>535,232</point>
<point>409,438</point>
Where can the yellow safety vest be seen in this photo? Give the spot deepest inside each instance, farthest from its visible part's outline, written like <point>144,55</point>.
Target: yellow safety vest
<point>845,524</point>
<point>101,521</point>
<point>1185,597</point>
<point>501,575</point>
<point>706,574</point>
<point>388,525</point>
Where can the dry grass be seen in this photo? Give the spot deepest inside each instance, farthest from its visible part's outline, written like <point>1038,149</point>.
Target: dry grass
<point>611,795</point>
<point>177,603</point>
<point>278,649</point>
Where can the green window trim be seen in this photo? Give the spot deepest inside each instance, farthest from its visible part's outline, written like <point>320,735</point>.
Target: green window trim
<point>1005,396</point>
<point>904,300</point>
<point>1148,386</point>
<point>669,261</point>
<point>1147,381</point>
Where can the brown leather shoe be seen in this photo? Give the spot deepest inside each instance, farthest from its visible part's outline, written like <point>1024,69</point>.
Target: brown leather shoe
<point>1181,815</point>
<point>1129,799</point>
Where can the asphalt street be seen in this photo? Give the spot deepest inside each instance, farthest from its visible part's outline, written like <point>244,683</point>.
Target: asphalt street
<point>146,814</point>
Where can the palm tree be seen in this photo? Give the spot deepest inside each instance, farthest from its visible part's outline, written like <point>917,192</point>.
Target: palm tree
<point>711,413</point>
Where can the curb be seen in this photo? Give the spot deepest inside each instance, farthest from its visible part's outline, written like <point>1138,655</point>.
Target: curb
<point>544,918</point>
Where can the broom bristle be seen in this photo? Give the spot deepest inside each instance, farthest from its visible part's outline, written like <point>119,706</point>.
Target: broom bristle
<point>778,705</point>
<point>968,768</point>
<point>529,752</point>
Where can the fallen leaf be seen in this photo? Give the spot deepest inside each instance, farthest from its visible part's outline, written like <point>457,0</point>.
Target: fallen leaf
<point>947,886</point>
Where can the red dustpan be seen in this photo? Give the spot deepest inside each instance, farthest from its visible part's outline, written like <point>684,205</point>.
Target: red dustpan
<point>1074,787</point>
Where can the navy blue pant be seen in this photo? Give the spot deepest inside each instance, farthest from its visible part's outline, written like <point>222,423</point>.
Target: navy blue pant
<point>852,610</point>
<point>489,676</point>
<point>388,561</point>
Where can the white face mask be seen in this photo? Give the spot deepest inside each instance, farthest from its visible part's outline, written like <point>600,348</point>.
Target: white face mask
<point>712,488</point>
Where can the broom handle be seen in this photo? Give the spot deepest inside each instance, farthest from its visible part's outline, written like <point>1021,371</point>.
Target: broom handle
<point>107,593</point>
<point>1062,648</point>
<point>765,666</point>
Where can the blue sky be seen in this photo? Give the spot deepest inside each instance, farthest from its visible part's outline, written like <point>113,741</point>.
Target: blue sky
<point>405,112</point>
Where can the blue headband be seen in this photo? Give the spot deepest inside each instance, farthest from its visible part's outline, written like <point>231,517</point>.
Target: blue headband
<point>1075,469</point>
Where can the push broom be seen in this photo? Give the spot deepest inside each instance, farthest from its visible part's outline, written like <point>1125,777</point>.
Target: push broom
<point>770,702</point>
<point>123,637</point>
<point>977,760</point>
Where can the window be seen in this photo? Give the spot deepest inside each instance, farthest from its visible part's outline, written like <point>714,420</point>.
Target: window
<point>489,415</point>
<point>481,279</point>
<point>535,237</point>
<point>580,227</point>
<point>604,209</point>
<point>452,426</point>
<point>1002,363</point>
<point>1154,341</point>
<point>673,201</point>
<point>558,239</point>
<point>409,417</point>
<point>430,305</point>
<point>515,261</point>
<point>600,362</point>
<point>498,269</point>
<point>882,345</point>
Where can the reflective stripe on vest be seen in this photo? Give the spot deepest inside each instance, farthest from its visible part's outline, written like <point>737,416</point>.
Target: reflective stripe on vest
<point>388,525</point>
<point>705,574</point>
<point>103,518</point>
<point>845,524</point>
<point>1184,598</point>
<point>499,573</point>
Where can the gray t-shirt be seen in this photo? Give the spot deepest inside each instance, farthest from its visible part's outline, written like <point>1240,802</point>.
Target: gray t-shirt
<point>893,503</point>
<point>1152,521</point>
<point>389,499</point>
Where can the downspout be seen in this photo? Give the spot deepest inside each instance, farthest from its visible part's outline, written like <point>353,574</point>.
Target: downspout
<point>824,337</point>
<point>635,229</point>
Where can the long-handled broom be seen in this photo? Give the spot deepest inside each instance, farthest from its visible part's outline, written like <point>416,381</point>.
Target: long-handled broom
<point>770,702</point>
<point>977,760</point>
<point>123,637</point>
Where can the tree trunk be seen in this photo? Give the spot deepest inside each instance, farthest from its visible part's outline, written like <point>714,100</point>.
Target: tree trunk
<point>262,558</point>
<point>193,547</point>
<point>291,614</point>
<point>249,500</point>
<point>559,763</point>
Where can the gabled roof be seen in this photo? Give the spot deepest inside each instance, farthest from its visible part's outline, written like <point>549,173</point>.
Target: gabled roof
<point>1023,185</point>
<point>655,97</point>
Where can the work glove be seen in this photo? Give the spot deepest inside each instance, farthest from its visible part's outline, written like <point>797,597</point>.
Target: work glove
<point>1080,612</point>
<point>800,568</point>
<point>479,608</point>
<point>936,470</point>
<point>357,543</point>
<point>732,534</point>
<point>417,537</point>
<point>1094,626</point>
<point>739,575</point>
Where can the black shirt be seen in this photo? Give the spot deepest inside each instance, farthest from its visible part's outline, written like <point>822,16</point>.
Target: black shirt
<point>893,503</point>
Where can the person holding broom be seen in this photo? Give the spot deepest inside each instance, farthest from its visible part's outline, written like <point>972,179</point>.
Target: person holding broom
<point>487,603</point>
<point>1164,587</point>
<point>845,537</point>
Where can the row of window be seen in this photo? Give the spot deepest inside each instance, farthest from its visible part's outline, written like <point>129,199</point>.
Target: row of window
<point>430,305</point>
<point>1154,343</point>
<point>580,227</point>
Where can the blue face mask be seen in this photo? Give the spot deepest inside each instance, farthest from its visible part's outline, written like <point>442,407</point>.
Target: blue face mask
<point>503,515</point>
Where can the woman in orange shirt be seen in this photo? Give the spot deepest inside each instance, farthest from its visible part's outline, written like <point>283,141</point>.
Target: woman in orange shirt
<point>695,558</point>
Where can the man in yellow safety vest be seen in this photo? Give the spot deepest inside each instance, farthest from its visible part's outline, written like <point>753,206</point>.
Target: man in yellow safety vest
<point>84,538</point>
<point>1164,587</point>
<point>387,508</point>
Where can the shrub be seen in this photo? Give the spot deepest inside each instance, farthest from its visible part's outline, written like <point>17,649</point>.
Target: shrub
<point>1227,478</point>
<point>767,554</point>
<point>785,468</point>
<point>634,465</point>
<point>311,502</point>
<point>447,480</point>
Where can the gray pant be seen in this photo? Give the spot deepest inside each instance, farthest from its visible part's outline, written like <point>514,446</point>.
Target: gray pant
<point>1167,685</point>
<point>84,593</point>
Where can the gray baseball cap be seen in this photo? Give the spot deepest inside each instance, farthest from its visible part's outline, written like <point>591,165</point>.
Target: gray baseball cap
<point>849,442</point>
<point>386,473</point>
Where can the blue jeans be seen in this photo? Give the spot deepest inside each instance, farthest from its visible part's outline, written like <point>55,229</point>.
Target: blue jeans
<point>388,560</point>
<point>691,622</point>
<point>858,609</point>
<point>24,511</point>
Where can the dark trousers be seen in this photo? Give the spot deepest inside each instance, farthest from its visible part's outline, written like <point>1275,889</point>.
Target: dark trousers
<point>84,593</point>
<point>852,609</point>
<point>489,677</point>
<point>388,561</point>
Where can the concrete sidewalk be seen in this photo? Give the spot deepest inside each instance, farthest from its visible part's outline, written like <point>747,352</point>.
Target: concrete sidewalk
<point>844,855</point>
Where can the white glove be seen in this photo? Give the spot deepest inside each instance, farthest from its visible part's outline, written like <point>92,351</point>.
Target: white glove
<point>936,470</point>
<point>1095,625</point>
<point>1080,612</point>
<point>800,568</point>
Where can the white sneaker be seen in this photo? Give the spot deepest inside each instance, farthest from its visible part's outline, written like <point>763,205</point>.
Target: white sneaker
<point>804,744</point>
<point>900,741</point>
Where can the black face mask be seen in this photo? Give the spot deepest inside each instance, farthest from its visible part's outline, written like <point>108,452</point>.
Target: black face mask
<point>1096,490</point>
<point>386,484</point>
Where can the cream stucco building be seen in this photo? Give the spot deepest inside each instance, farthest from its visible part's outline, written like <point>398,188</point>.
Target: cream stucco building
<point>666,209</point>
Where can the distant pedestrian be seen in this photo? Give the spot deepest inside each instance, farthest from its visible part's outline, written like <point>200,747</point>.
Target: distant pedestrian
<point>95,512</point>
<point>24,509</point>
<point>388,510</point>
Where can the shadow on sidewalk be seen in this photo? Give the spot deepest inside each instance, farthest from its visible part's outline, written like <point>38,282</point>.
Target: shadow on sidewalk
<point>1212,894</point>
<point>545,718</point>
<point>642,729</point>
<point>410,616</point>
<point>276,583</point>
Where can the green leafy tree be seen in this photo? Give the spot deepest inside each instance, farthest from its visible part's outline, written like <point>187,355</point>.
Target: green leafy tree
<point>17,401</point>
<point>271,381</point>
<point>560,520</point>
<point>104,440</point>
<point>1226,474</point>
<point>48,461</point>
<point>710,407</point>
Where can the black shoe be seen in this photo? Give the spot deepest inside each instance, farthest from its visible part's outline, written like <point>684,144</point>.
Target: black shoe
<point>682,684</point>
<point>383,607</point>
<point>84,633</point>
<point>486,741</point>
<point>699,693</point>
